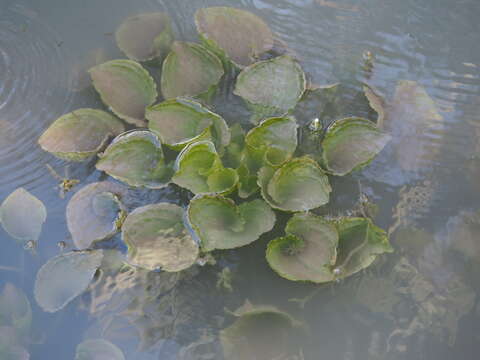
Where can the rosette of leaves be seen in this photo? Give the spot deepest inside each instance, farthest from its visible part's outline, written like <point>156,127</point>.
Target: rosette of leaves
<point>307,252</point>
<point>22,215</point>
<point>199,169</point>
<point>270,143</point>
<point>219,223</point>
<point>190,70</point>
<point>98,349</point>
<point>237,36</point>
<point>298,185</point>
<point>179,122</point>
<point>136,158</point>
<point>126,87</point>
<point>64,277</point>
<point>95,213</point>
<point>259,332</point>
<point>80,134</point>
<point>351,143</point>
<point>157,239</point>
<point>271,87</point>
<point>145,37</point>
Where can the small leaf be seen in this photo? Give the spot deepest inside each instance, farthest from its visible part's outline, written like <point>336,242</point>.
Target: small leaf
<point>22,215</point>
<point>200,170</point>
<point>235,35</point>
<point>350,144</point>
<point>271,87</point>
<point>98,349</point>
<point>179,122</point>
<point>360,242</point>
<point>190,70</point>
<point>377,103</point>
<point>145,36</point>
<point>126,87</point>
<point>298,185</point>
<point>307,252</point>
<point>64,277</point>
<point>157,238</point>
<point>220,224</point>
<point>95,213</point>
<point>136,158</point>
<point>15,309</point>
<point>80,134</point>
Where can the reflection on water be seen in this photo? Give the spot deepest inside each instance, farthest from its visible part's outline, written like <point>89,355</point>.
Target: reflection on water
<point>417,303</point>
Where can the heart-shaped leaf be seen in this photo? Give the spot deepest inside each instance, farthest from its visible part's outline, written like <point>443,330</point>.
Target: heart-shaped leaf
<point>298,185</point>
<point>190,70</point>
<point>235,35</point>
<point>145,36</point>
<point>350,144</point>
<point>220,224</point>
<point>157,238</point>
<point>95,213</point>
<point>271,87</point>
<point>200,170</point>
<point>308,250</point>
<point>179,122</point>
<point>136,158</point>
<point>64,277</point>
<point>80,134</point>
<point>98,349</point>
<point>22,215</point>
<point>126,87</point>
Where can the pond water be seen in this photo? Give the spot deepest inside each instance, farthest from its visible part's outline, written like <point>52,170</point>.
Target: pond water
<point>419,302</point>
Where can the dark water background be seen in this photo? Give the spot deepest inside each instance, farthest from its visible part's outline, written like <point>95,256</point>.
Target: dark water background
<point>434,42</point>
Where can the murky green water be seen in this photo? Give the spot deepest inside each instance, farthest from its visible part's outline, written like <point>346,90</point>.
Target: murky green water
<point>418,303</point>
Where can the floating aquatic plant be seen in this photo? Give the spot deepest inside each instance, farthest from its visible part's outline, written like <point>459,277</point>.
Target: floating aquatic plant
<point>98,349</point>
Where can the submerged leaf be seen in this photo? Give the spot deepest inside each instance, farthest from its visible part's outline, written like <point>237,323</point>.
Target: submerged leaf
<point>200,170</point>
<point>98,349</point>
<point>157,238</point>
<point>145,36</point>
<point>350,144</point>
<point>377,103</point>
<point>271,87</point>
<point>22,215</point>
<point>136,158</point>
<point>126,87</point>
<point>80,134</point>
<point>95,213</point>
<point>15,309</point>
<point>360,242</point>
<point>298,185</point>
<point>307,252</point>
<point>179,122</point>
<point>235,35</point>
<point>259,332</point>
<point>64,277</point>
<point>190,70</point>
<point>10,345</point>
<point>220,224</point>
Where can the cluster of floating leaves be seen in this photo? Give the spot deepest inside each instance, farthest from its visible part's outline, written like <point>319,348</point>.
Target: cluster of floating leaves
<point>240,177</point>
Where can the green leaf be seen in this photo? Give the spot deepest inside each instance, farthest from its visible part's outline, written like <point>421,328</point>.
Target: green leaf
<point>179,122</point>
<point>80,134</point>
<point>136,158</point>
<point>235,35</point>
<point>126,87</point>
<point>220,224</point>
<point>190,70</point>
<point>271,87</point>
<point>350,144</point>
<point>98,349</point>
<point>307,252</point>
<point>22,215</point>
<point>200,170</point>
<point>298,185</point>
<point>64,277</point>
<point>15,309</point>
<point>145,36</point>
<point>95,213</point>
<point>360,242</point>
<point>157,238</point>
